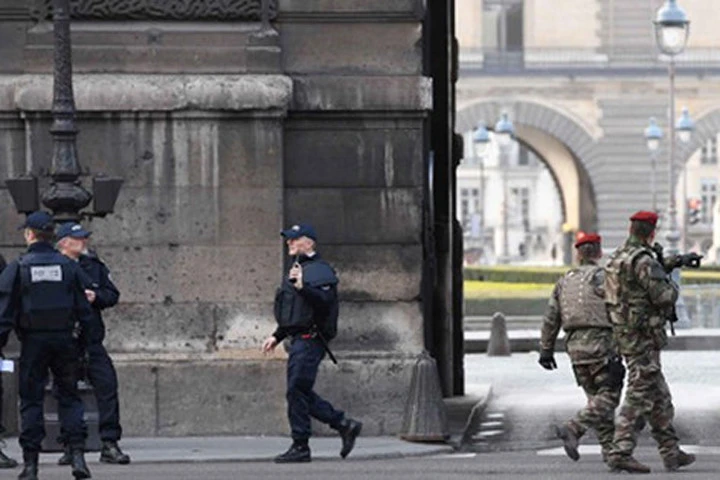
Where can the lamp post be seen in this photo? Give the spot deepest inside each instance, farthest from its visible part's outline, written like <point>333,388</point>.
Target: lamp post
<point>672,28</point>
<point>504,132</point>
<point>66,197</point>
<point>684,128</point>
<point>481,142</point>
<point>653,135</point>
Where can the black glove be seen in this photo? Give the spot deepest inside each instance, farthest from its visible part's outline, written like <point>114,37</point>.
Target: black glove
<point>616,372</point>
<point>547,360</point>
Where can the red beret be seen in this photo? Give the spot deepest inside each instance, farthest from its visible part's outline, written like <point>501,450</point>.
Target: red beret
<point>647,217</point>
<point>581,238</point>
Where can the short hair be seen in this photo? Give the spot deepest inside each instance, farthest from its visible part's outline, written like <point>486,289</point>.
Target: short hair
<point>590,251</point>
<point>641,229</point>
<point>43,235</point>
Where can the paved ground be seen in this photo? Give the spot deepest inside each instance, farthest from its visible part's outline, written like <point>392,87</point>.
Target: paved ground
<point>247,449</point>
<point>532,398</point>
<point>500,466</point>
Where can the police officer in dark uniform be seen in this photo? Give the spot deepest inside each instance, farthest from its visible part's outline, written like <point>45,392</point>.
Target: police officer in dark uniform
<point>5,461</point>
<point>306,309</point>
<point>73,241</point>
<point>42,297</point>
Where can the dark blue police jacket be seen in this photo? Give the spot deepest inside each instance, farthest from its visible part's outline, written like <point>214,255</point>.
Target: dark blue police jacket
<point>97,278</point>
<point>315,306</point>
<point>42,291</point>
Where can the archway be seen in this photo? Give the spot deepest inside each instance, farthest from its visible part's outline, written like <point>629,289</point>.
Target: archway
<point>561,141</point>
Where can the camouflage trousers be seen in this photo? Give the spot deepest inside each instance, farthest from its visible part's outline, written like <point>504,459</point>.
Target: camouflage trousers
<point>603,397</point>
<point>647,395</point>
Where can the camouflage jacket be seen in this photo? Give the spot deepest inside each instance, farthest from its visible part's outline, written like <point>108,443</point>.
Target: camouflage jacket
<point>577,305</point>
<point>639,295</point>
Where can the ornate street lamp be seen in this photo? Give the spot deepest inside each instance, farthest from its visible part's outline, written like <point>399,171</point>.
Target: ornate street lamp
<point>672,28</point>
<point>66,196</point>
<point>685,126</point>
<point>653,135</point>
<point>504,133</point>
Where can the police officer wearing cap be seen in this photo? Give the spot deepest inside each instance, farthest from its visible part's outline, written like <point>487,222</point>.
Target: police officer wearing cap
<point>72,241</point>
<point>306,310</point>
<point>5,461</point>
<point>42,297</point>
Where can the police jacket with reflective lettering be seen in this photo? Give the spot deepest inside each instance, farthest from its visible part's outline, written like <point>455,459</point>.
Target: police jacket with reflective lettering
<point>106,294</point>
<point>42,291</point>
<point>314,306</point>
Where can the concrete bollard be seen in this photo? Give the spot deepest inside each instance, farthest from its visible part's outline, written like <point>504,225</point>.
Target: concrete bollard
<point>499,344</point>
<point>425,417</point>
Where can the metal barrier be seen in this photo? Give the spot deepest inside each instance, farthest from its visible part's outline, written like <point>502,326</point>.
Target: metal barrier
<point>703,305</point>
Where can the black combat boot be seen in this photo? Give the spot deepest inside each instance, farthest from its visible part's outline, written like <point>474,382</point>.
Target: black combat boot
<point>111,453</point>
<point>30,470</point>
<point>80,469</point>
<point>681,460</point>
<point>570,441</point>
<point>349,431</point>
<point>5,461</point>
<point>66,458</point>
<point>627,464</point>
<point>299,452</point>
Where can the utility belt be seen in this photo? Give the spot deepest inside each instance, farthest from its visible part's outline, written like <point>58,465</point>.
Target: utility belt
<point>47,322</point>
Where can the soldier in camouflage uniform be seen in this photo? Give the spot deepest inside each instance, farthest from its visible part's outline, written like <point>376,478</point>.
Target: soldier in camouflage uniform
<point>639,293</point>
<point>578,306</point>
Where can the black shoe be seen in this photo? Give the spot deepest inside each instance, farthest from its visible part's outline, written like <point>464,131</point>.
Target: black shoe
<point>80,469</point>
<point>111,453</point>
<point>66,458</point>
<point>349,431</point>
<point>298,453</point>
<point>7,462</point>
<point>570,441</point>
<point>30,469</point>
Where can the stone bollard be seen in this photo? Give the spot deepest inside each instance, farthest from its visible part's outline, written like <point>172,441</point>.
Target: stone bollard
<point>425,417</point>
<point>499,344</point>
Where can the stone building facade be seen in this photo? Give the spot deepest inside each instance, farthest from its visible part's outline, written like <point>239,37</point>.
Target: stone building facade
<point>227,123</point>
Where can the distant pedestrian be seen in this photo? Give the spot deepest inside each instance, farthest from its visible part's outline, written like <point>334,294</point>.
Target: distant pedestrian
<point>553,253</point>
<point>639,295</point>
<point>306,310</point>
<point>73,242</point>
<point>577,305</point>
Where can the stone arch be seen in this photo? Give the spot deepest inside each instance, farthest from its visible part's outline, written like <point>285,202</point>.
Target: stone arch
<point>561,141</point>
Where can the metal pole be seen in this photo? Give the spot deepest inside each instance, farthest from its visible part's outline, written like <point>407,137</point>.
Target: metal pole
<point>505,163</point>
<point>672,235</point>
<point>482,200</point>
<point>653,185</point>
<point>66,196</point>
<point>685,223</point>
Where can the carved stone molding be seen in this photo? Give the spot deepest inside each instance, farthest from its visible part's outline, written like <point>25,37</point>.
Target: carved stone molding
<point>179,10</point>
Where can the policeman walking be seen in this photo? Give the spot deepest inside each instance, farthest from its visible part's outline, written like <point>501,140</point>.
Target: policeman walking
<point>578,306</point>
<point>73,242</point>
<point>5,461</point>
<point>306,309</point>
<point>42,297</point>
<point>639,293</point>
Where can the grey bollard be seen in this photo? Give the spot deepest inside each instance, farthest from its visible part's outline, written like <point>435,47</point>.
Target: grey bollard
<point>499,344</point>
<point>425,417</point>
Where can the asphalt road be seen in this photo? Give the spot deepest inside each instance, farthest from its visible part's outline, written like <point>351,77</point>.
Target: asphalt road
<point>509,465</point>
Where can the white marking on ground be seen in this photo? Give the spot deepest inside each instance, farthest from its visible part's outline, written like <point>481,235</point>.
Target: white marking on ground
<point>595,450</point>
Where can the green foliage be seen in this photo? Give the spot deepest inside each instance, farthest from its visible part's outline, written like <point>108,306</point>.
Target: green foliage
<point>540,275</point>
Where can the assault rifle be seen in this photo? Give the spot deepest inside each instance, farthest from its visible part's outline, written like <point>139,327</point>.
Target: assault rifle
<point>689,260</point>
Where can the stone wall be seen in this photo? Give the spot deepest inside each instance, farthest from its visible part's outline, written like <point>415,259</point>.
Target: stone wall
<point>225,132</point>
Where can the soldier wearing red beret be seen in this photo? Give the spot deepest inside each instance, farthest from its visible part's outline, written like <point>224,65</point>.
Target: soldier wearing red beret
<point>577,305</point>
<point>639,293</point>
